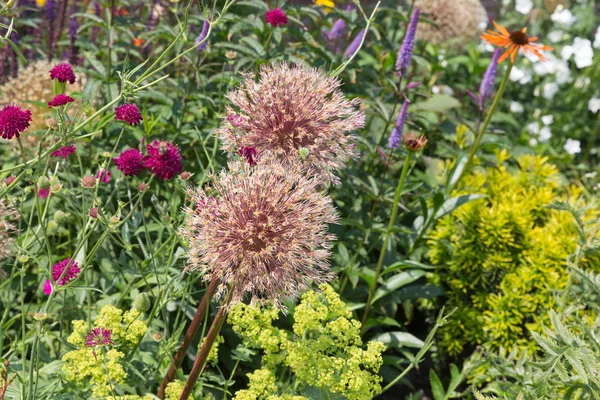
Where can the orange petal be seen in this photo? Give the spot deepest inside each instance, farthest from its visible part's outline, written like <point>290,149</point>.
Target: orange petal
<point>514,54</point>
<point>501,29</point>
<point>524,30</point>
<point>533,39</point>
<point>506,54</point>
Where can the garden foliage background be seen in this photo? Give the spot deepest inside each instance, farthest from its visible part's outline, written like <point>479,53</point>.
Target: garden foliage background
<point>438,243</point>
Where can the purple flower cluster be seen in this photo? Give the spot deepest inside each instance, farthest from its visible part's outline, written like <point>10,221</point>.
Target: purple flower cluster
<point>406,50</point>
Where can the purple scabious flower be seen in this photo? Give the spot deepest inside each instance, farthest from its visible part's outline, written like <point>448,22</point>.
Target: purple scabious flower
<point>60,100</point>
<point>353,47</point>
<point>64,151</point>
<point>406,50</point>
<point>99,337</point>
<point>57,270</point>
<point>163,159</point>
<point>43,193</point>
<point>63,72</point>
<point>103,175</point>
<point>13,121</point>
<point>202,46</point>
<point>129,113</point>
<point>276,17</point>
<point>489,78</point>
<point>336,31</point>
<point>130,162</point>
<point>396,137</point>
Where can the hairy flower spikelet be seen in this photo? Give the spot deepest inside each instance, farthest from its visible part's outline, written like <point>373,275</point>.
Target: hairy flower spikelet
<point>8,228</point>
<point>293,107</point>
<point>265,232</point>
<point>456,21</point>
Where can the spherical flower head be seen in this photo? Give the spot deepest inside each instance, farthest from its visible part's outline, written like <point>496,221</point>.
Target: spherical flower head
<point>88,182</point>
<point>163,160</point>
<point>64,151</point>
<point>98,337</point>
<point>130,162</point>
<point>276,17</point>
<point>414,142</point>
<point>249,153</point>
<point>71,274</point>
<point>13,121</point>
<point>129,113</point>
<point>60,100</point>
<point>266,232</point>
<point>63,72</point>
<point>293,107</point>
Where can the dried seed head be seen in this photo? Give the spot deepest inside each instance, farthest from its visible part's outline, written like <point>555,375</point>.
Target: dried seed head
<point>265,233</point>
<point>414,142</point>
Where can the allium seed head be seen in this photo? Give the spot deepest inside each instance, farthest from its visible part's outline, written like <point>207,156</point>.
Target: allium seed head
<point>265,233</point>
<point>289,108</point>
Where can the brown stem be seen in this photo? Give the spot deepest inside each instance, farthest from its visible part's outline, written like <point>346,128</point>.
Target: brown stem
<point>187,339</point>
<point>209,340</point>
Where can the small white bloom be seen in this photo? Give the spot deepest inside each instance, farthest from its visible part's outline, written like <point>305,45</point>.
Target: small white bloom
<point>545,134</point>
<point>444,63</point>
<point>553,66</point>
<point>555,36</point>
<point>582,49</point>
<point>524,6</point>
<point>435,89</point>
<point>572,146</point>
<point>597,39</point>
<point>532,142</point>
<point>594,104</point>
<point>516,107</point>
<point>564,17</point>
<point>533,128</point>
<point>520,75</point>
<point>548,119</point>
<point>591,174</point>
<point>550,89</point>
<point>582,82</point>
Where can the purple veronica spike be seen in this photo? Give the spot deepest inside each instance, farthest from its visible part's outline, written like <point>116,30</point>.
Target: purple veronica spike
<point>396,137</point>
<point>336,31</point>
<point>406,50</point>
<point>353,47</point>
<point>50,10</point>
<point>203,34</point>
<point>487,84</point>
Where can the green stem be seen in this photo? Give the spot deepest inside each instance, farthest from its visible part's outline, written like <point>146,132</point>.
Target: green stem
<point>387,236</point>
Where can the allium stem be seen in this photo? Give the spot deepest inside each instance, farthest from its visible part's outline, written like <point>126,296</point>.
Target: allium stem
<point>187,339</point>
<point>386,238</point>
<point>486,122</point>
<point>202,356</point>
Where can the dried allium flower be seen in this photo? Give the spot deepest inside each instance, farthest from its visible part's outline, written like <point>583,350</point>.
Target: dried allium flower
<point>64,151</point>
<point>129,113</point>
<point>98,337</point>
<point>63,72</point>
<point>289,108</point>
<point>13,121</point>
<point>457,21</point>
<point>249,153</point>
<point>406,50</point>
<point>396,136</point>
<point>8,228</point>
<point>130,162</point>
<point>163,159</point>
<point>60,100</point>
<point>265,233</point>
<point>276,17</point>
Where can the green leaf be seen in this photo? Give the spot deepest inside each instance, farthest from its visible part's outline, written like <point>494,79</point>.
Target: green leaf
<point>437,103</point>
<point>455,202</point>
<point>399,339</point>
<point>436,386</point>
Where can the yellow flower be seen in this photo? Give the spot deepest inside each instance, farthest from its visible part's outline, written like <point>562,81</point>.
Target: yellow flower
<point>40,3</point>
<point>325,3</point>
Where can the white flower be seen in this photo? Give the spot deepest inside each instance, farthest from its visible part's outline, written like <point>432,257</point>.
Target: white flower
<point>594,104</point>
<point>591,174</point>
<point>582,49</point>
<point>555,36</point>
<point>597,39</point>
<point>554,66</point>
<point>550,89</point>
<point>545,134</point>
<point>532,142</point>
<point>563,16</point>
<point>524,6</point>
<point>516,107</point>
<point>533,128</point>
<point>572,146</point>
<point>548,119</point>
<point>519,75</point>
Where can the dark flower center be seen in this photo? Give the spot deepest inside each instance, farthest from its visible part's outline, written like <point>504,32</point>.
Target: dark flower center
<point>519,38</point>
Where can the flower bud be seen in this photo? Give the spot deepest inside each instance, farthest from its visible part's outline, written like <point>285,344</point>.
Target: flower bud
<point>94,212</point>
<point>9,180</point>
<point>51,123</point>
<point>61,217</point>
<point>22,258</point>
<point>43,183</point>
<point>142,187</point>
<point>185,176</point>
<point>142,303</point>
<point>52,227</point>
<point>88,182</point>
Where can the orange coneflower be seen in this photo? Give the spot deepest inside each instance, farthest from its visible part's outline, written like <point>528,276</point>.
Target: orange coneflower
<point>138,42</point>
<point>514,41</point>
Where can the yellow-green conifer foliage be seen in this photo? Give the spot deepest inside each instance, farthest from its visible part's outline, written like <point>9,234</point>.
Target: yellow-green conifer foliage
<point>501,258</point>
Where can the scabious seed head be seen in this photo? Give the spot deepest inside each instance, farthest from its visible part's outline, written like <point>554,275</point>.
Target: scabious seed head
<point>414,142</point>
<point>163,159</point>
<point>60,100</point>
<point>13,121</point>
<point>265,233</point>
<point>128,113</point>
<point>130,162</point>
<point>63,72</point>
<point>88,182</point>
<point>276,17</point>
<point>64,151</point>
<point>292,107</point>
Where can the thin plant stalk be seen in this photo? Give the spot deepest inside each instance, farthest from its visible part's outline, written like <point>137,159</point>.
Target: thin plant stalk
<point>189,335</point>
<point>386,238</point>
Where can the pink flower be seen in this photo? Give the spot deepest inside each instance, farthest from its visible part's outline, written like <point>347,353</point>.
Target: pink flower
<point>249,153</point>
<point>60,100</point>
<point>64,151</point>
<point>98,337</point>
<point>163,160</point>
<point>130,162</point>
<point>13,121</point>
<point>103,176</point>
<point>128,113</point>
<point>57,270</point>
<point>276,17</point>
<point>43,193</point>
<point>63,72</point>
<point>48,287</point>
